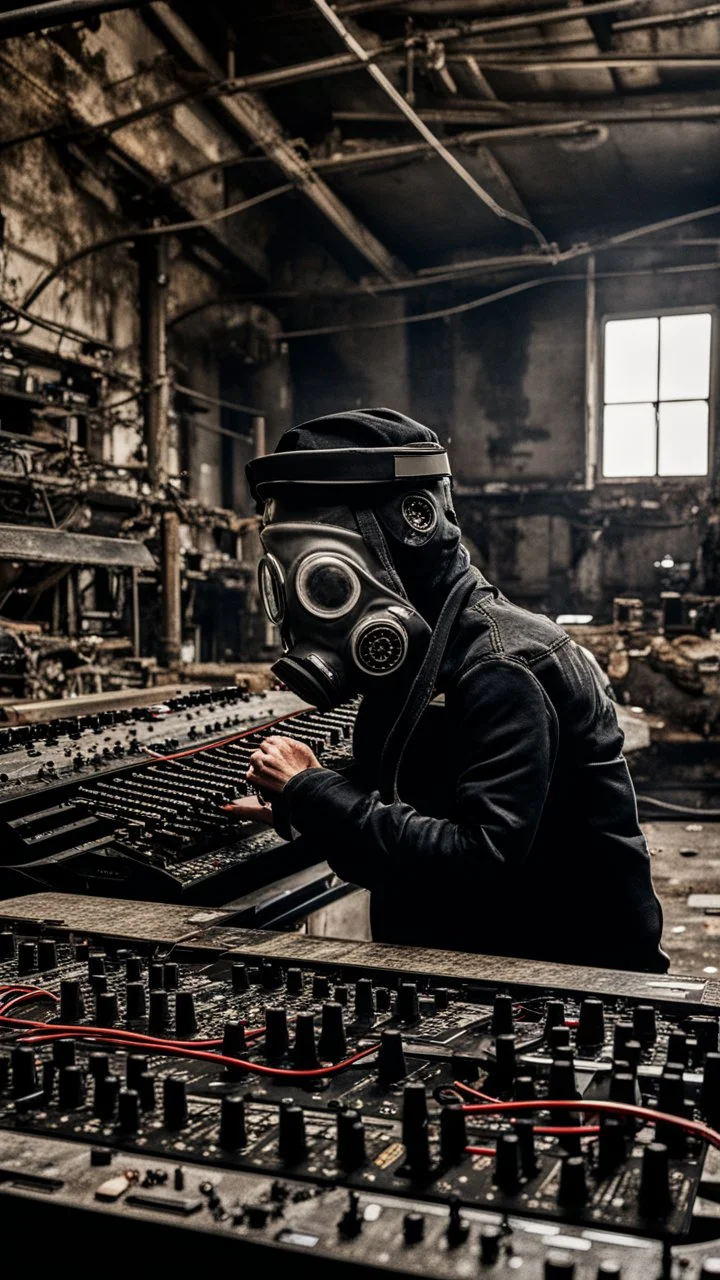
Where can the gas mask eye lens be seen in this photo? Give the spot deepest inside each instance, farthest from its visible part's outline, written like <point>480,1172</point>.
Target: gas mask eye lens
<point>379,646</point>
<point>272,589</point>
<point>420,513</point>
<point>326,586</point>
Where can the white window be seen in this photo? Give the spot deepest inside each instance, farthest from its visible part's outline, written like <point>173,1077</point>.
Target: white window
<point>656,396</point>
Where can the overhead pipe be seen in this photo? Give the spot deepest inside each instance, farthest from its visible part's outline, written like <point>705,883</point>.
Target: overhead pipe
<point>42,17</point>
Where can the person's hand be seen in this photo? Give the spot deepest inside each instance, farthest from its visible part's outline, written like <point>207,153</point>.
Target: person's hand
<point>250,809</point>
<point>277,760</point>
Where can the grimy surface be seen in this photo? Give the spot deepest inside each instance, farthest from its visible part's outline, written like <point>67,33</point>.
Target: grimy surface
<point>236,1093</point>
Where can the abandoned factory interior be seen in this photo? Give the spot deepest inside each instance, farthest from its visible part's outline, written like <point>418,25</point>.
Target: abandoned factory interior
<point>360,636</point>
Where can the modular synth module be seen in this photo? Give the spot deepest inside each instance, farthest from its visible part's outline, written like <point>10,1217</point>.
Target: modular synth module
<point>169,1082</point>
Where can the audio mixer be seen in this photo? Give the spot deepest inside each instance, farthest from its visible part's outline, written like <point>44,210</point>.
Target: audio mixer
<point>238,1096</point>
<point>130,802</point>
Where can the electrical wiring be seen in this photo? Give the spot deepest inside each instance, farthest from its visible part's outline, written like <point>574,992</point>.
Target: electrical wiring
<point>581,1130</point>
<point>598,1106</point>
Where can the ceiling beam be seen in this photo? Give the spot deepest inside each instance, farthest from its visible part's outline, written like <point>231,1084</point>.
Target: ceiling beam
<point>626,109</point>
<point>249,113</point>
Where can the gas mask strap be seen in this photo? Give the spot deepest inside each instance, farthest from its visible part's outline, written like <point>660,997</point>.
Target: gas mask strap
<point>423,687</point>
<point>374,538</point>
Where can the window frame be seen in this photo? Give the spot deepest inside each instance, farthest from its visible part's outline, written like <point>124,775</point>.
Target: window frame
<point>705,480</point>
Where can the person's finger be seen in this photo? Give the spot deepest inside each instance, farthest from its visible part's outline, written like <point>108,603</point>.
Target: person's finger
<point>249,809</point>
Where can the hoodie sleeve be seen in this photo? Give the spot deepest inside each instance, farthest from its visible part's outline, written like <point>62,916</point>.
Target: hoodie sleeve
<point>505,737</point>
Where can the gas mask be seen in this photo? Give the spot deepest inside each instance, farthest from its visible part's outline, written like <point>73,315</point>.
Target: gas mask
<point>327,579</point>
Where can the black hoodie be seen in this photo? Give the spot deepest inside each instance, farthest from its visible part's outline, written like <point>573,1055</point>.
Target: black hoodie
<point>515,831</point>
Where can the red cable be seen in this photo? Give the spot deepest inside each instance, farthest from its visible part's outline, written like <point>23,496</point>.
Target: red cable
<point>480,1151</point>
<point>538,1128</point>
<point>695,1127</point>
<point>223,742</point>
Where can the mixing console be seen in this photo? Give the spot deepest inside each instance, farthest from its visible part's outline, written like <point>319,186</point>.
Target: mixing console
<point>133,800</point>
<point>238,1093</point>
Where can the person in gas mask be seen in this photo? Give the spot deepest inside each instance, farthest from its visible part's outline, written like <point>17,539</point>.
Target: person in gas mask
<point>489,807</point>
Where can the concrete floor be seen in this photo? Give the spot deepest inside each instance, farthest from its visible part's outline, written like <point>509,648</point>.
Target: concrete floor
<point>685,861</point>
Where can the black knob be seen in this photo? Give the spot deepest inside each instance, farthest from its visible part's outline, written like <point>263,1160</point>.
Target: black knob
<point>677,1049</point>
<point>232,1123</point>
<point>633,1053</point>
<point>271,975</point>
<point>654,1198</point>
<point>71,1088</point>
<point>96,964</point>
<point>507,1162</point>
<point>558,1266</point>
<point>340,994</point>
<point>133,969</point>
<point>490,1240</point>
<point>525,1132</point>
<point>171,977</point>
<point>559,1038</point>
<point>294,982</point>
<point>135,1002</point>
<point>26,958</point>
<point>159,1010</point>
<point>156,973</point>
<point>292,1141</point>
<point>710,1092</point>
<point>240,979</point>
<point>304,1054</point>
<point>234,1046</point>
<point>573,1190</point>
<point>320,987</point>
<point>645,1023</point>
<point>364,1000</point>
<point>106,1009</point>
<point>505,1059</point>
<point>7,945</point>
<point>591,1023</point>
<point>561,1080</point>
<point>99,984</point>
<point>415,1126</point>
<point>350,1224</point>
<point>624,1088</point>
<point>382,999</point>
<point>332,1046</point>
<point>105,1098</point>
<point>502,1020</point>
<point>137,1064</point>
<point>612,1144</point>
<point>671,1093</point>
<point>391,1057</point>
<point>146,1091</point>
<point>407,1007</point>
<point>458,1228</point>
<point>276,1032</point>
<point>175,1109</point>
<point>185,1019</point>
<point>524,1089</point>
<point>24,1071</point>
<point>623,1032</point>
<point>64,1053</point>
<point>441,997</point>
<point>47,955</point>
<point>413,1227</point>
<point>554,1015</point>
<point>128,1111</point>
<point>350,1141</point>
<point>453,1133</point>
<point>705,1031</point>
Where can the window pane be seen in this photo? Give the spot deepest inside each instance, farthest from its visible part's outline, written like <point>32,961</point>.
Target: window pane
<point>685,357</point>
<point>629,440</point>
<point>631,360</point>
<point>683,436</point>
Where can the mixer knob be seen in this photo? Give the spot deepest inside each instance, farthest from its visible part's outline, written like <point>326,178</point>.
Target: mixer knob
<point>633,1053</point>
<point>413,1227</point>
<point>705,1031</point>
<point>26,958</point>
<point>271,975</point>
<point>159,1010</point>
<point>391,1057</point>
<point>458,1228</point>
<point>677,1049</point>
<point>525,1131</point>
<point>558,1266</point>
<point>105,1097</point>
<point>292,1141</point>
<point>364,1000</point>
<point>135,1001</point>
<point>63,1053</point>
<point>654,1196</point>
<point>591,1023</point>
<point>232,1123</point>
<point>106,1009</point>
<point>156,975</point>
<point>276,1032</point>
<point>24,1071</point>
<point>99,984</point>
<point>128,1111</point>
<point>524,1089</point>
<point>146,1091</point>
<point>294,982</point>
<point>320,987</point>
<point>624,1088</point>
<point>171,977</point>
<point>645,1023</point>
<point>340,994</point>
<point>382,999</point>
<point>98,1065</point>
<point>304,1053</point>
<point>332,1045</point>
<point>710,1093</point>
<point>415,1126</point>
<point>559,1038</point>
<point>7,945</point>
<point>407,1007</point>
<point>554,1016</point>
<point>612,1144</point>
<point>505,1059</point>
<point>441,998</point>
<point>453,1133</point>
<point>133,969</point>
<point>175,1108</point>
<point>671,1093</point>
<point>240,979</point>
<point>490,1240</point>
<point>350,1151</point>
<point>137,1063</point>
<point>507,1162</point>
<point>350,1224</point>
<point>96,964</point>
<point>234,1045</point>
<point>623,1032</point>
<point>561,1080</point>
<point>71,1001</point>
<point>71,1088</point>
<point>47,955</point>
<point>185,1018</point>
<point>502,1020</point>
<point>573,1190</point>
